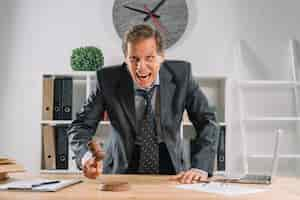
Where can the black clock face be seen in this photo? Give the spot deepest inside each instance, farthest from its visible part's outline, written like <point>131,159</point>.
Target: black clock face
<point>170,17</point>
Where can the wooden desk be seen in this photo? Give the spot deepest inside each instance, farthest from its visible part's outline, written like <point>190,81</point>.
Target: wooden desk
<point>148,187</point>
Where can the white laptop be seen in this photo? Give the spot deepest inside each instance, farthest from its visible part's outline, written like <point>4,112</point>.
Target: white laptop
<point>260,178</point>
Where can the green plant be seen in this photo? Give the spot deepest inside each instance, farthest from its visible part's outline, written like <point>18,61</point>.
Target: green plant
<point>87,59</point>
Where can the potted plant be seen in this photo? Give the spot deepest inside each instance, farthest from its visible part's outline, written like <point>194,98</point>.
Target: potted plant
<point>87,59</point>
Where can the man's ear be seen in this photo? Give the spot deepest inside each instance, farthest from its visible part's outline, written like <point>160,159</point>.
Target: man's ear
<point>161,57</point>
<point>126,60</point>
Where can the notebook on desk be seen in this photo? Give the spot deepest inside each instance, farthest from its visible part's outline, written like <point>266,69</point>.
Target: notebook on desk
<point>39,185</point>
<point>260,178</point>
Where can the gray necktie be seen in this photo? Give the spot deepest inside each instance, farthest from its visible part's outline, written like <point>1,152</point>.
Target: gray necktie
<point>149,151</point>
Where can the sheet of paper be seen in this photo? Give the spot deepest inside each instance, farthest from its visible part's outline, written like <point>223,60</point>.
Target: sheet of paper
<point>27,185</point>
<point>221,188</point>
<point>22,184</point>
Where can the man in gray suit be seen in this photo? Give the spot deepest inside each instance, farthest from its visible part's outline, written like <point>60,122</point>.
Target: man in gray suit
<point>145,98</point>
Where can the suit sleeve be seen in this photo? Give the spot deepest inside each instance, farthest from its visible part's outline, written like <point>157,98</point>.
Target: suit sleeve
<point>83,128</point>
<point>204,145</point>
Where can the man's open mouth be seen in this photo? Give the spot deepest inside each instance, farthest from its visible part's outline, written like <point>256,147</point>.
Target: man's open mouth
<point>143,76</point>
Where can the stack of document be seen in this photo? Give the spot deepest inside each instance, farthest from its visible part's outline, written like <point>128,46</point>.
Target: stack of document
<point>5,161</point>
<point>9,166</point>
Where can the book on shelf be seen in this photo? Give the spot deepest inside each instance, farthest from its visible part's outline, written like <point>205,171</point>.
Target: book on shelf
<point>49,159</point>
<point>67,87</point>
<point>48,92</point>
<point>62,147</point>
<point>63,87</point>
<point>221,149</point>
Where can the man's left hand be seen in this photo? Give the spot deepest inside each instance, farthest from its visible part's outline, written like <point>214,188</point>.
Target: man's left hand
<point>191,176</point>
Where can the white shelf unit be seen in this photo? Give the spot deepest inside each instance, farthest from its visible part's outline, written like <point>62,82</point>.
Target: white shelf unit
<point>56,122</point>
<point>62,122</point>
<point>215,88</point>
<point>83,84</point>
<point>272,119</point>
<point>271,83</point>
<point>270,156</point>
<point>190,124</point>
<point>269,104</point>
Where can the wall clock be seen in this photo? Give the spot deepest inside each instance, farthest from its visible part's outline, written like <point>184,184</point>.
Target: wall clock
<point>170,17</point>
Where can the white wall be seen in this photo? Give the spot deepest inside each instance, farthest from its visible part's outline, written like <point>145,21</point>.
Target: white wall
<point>37,37</point>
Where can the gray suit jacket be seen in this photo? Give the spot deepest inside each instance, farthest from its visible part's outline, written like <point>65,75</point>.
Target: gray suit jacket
<point>115,94</point>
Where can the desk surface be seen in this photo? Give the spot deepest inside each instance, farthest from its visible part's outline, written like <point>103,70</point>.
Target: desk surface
<point>147,187</point>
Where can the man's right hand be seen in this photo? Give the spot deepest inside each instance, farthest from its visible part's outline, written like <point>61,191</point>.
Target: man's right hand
<point>92,168</point>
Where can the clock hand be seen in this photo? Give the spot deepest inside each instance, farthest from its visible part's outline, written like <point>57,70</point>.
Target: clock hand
<point>140,11</point>
<point>154,9</point>
<point>155,21</point>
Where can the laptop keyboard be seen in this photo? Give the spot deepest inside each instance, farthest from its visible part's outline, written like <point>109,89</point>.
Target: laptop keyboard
<point>256,177</point>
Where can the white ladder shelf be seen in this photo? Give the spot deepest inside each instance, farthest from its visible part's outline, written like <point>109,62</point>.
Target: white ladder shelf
<point>293,83</point>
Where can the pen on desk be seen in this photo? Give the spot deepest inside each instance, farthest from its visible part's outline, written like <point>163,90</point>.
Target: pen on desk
<point>203,181</point>
<point>45,183</point>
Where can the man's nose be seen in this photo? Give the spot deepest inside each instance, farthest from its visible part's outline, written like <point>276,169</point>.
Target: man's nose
<point>142,65</point>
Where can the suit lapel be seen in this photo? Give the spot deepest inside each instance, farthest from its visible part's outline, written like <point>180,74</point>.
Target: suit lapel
<point>167,89</point>
<point>126,96</point>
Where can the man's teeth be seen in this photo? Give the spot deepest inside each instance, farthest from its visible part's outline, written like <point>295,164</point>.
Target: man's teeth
<point>143,76</point>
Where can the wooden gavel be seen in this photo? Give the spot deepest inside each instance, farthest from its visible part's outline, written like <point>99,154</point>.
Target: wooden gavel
<point>98,154</point>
